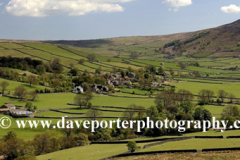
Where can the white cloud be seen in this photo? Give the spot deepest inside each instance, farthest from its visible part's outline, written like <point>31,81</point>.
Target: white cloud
<point>231,9</point>
<point>177,3</point>
<point>42,8</point>
<point>1,4</point>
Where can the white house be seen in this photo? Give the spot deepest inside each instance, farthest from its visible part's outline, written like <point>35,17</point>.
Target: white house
<point>78,89</point>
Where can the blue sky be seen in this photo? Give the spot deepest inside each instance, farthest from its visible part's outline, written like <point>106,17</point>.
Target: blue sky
<point>93,19</point>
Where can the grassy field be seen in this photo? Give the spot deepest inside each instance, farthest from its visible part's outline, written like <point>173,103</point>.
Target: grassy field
<point>91,152</point>
<point>195,144</point>
<point>195,87</point>
<point>14,84</point>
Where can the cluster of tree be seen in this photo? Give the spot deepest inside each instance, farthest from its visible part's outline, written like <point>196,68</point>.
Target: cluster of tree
<point>31,65</point>
<point>87,78</point>
<point>82,99</point>
<point>6,74</point>
<point>174,106</point>
<point>168,97</point>
<point>91,57</point>
<point>185,111</point>
<point>21,93</point>
<point>196,64</point>
<point>182,65</point>
<point>14,148</point>
<point>230,114</point>
<point>195,74</point>
<point>30,107</point>
<point>20,63</point>
<point>206,96</point>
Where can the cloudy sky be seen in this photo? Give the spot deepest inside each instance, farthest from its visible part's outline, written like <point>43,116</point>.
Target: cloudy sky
<point>92,19</point>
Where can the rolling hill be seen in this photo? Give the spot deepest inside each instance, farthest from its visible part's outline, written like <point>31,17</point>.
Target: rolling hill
<point>222,41</point>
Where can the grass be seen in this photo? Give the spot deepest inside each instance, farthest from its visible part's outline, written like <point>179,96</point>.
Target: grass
<point>91,152</point>
<point>14,84</point>
<point>195,87</point>
<point>195,144</point>
<point>51,101</point>
<point>121,102</point>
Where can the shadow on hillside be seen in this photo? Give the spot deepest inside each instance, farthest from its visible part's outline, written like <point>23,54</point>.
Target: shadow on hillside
<point>82,43</point>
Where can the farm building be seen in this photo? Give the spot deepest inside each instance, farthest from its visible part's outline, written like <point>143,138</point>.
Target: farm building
<point>7,107</point>
<point>21,113</point>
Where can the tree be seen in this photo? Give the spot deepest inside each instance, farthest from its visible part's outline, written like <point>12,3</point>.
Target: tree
<point>12,147</point>
<point>209,95</point>
<point>196,74</point>
<point>33,95</point>
<point>4,85</point>
<point>88,94</point>
<point>150,68</point>
<point>10,135</point>
<point>144,83</point>
<point>187,107</point>
<point>80,100</point>
<point>202,114</point>
<point>46,142</point>
<point>205,96</point>
<point>85,86</point>
<point>74,71</point>
<point>41,69</point>
<point>20,92</point>
<point>230,111</point>
<point>56,83</point>
<point>146,75</point>
<point>82,139</point>
<point>173,109</point>
<point>94,113</point>
<point>98,70</point>
<point>30,107</point>
<point>56,66</point>
<point>182,65</point>
<point>165,98</point>
<point>132,146</point>
<point>91,57</point>
<point>171,71</point>
<point>140,112</point>
<point>185,95</point>
<point>161,70</point>
<point>81,61</point>
<point>31,79</point>
<point>231,97</point>
<point>152,112</point>
<point>130,111</point>
<point>83,99</point>
<point>222,94</point>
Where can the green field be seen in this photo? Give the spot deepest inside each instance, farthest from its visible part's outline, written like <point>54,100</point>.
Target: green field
<point>213,78</point>
<point>91,152</point>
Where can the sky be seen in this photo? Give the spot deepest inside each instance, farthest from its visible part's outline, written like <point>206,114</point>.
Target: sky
<point>94,19</point>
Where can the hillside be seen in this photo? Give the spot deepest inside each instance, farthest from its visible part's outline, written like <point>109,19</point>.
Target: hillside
<point>221,41</point>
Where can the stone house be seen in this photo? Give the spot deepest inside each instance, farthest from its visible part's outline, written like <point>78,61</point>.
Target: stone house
<point>7,107</point>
